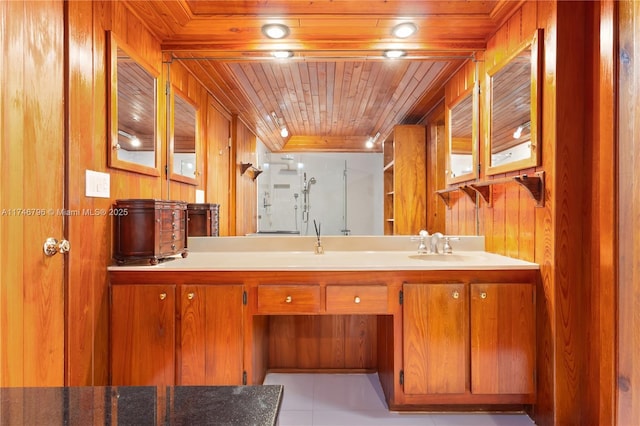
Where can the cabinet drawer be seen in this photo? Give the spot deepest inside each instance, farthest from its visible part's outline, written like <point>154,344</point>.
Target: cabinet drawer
<point>288,299</point>
<point>357,299</point>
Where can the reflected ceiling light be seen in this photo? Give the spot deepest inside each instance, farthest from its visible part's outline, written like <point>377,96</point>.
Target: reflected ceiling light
<point>394,54</point>
<point>370,143</point>
<point>518,133</point>
<point>282,54</point>
<point>132,138</point>
<point>404,30</point>
<point>284,132</point>
<point>275,31</point>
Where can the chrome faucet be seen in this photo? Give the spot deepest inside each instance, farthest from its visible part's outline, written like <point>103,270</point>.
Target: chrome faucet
<point>435,239</point>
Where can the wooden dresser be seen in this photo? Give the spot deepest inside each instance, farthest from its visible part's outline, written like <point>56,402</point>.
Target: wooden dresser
<point>149,229</point>
<point>202,220</point>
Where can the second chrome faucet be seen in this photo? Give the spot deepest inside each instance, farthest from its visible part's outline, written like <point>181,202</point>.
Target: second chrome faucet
<point>433,242</point>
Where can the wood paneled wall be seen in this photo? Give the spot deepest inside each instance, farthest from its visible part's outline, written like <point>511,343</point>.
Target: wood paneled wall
<point>571,235</point>
<point>246,207</point>
<point>90,236</point>
<point>218,163</point>
<point>436,163</point>
<point>628,257</point>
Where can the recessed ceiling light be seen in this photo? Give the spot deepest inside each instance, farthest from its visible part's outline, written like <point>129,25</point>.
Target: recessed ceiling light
<point>275,31</point>
<point>404,30</point>
<point>282,54</point>
<point>393,54</point>
<point>369,143</point>
<point>284,132</point>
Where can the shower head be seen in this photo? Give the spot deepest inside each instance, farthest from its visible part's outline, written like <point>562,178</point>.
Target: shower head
<point>306,183</point>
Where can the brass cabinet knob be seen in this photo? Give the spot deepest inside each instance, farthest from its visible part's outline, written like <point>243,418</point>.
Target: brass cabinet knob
<point>455,294</point>
<point>356,299</point>
<point>163,296</point>
<point>288,299</point>
<point>191,295</point>
<point>483,295</point>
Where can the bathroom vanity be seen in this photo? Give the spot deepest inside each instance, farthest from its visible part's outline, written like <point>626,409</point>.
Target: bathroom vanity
<point>440,330</point>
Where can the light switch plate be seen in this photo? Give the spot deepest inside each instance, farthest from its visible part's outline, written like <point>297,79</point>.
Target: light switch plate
<point>97,184</point>
<point>199,196</point>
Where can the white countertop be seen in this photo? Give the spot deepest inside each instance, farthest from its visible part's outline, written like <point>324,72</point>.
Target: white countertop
<point>334,261</point>
<point>341,254</point>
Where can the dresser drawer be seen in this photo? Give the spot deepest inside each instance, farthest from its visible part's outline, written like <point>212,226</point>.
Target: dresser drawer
<point>171,248</point>
<point>357,299</point>
<point>288,299</point>
<point>170,236</point>
<point>172,219</point>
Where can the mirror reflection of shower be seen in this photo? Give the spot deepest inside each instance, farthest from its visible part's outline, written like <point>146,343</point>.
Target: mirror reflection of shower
<point>306,203</point>
<point>297,188</point>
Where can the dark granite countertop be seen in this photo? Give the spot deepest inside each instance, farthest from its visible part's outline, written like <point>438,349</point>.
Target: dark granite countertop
<point>141,405</point>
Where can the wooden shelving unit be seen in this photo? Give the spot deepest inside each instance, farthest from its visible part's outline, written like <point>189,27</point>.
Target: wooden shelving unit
<point>405,194</point>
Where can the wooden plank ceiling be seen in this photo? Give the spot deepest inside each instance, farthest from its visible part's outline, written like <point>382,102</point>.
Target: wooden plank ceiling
<point>337,90</point>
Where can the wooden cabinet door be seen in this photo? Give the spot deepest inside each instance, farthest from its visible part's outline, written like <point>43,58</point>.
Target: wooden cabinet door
<point>502,338</point>
<point>435,328</point>
<point>143,335</point>
<point>211,335</point>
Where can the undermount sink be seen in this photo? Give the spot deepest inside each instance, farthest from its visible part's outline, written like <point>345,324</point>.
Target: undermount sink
<point>439,257</point>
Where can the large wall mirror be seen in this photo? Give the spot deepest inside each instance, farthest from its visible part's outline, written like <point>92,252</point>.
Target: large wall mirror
<point>514,101</point>
<point>182,146</point>
<point>462,141</point>
<point>134,142</point>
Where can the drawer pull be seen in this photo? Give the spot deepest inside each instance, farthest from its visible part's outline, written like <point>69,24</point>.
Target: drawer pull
<point>191,295</point>
<point>173,246</point>
<point>288,299</point>
<point>163,296</point>
<point>173,214</point>
<point>483,295</point>
<point>356,299</point>
<point>173,225</point>
<point>173,236</point>
<point>455,295</point>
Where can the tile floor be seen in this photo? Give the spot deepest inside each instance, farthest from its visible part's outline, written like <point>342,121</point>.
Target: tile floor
<point>357,400</point>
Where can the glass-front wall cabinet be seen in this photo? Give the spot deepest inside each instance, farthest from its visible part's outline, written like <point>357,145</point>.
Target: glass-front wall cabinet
<point>182,146</point>
<point>134,142</point>
<point>513,110</point>
<point>461,126</point>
